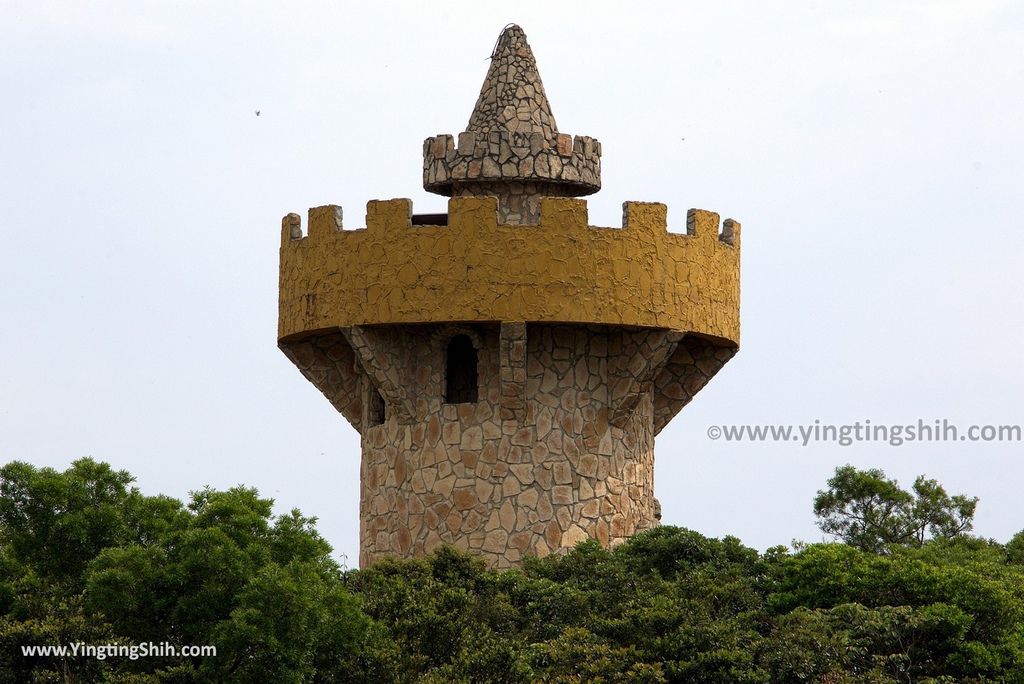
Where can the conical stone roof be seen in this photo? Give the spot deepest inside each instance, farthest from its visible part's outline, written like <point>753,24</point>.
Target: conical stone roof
<point>512,97</point>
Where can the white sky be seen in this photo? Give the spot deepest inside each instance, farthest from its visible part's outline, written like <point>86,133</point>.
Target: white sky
<point>871,150</point>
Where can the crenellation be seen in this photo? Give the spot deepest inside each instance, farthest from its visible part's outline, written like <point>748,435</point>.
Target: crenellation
<point>704,224</point>
<point>324,220</point>
<point>561,214</point>
<point>291,228</point>
<point>730,232</point>
<point>507,156</point>
<point>652,216</point>
<point>477,269</point>
<point>389,216</point>
<point>573,214</point>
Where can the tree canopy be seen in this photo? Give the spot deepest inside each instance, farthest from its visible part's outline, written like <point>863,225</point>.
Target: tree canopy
<point>867,510</point>
<point>84,557</point>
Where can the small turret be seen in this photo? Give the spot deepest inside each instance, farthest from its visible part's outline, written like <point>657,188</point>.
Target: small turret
<point>511,148</point>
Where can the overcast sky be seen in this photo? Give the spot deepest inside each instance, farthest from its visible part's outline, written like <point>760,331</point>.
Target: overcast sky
<point>871,150</point>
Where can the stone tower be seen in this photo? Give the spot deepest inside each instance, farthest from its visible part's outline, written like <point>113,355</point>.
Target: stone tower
<point>507,365</point>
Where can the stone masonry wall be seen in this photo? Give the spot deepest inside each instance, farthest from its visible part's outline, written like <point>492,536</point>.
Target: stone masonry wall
<point>534,466</point>
<point>499,155</point>
<point>560,167</point>
<point>512,97</point>
<point>518,202</point>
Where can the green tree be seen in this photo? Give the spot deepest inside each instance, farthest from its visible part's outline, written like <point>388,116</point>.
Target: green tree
<point>668,605</point>
<point>85,557</point>
<point>58,522</point>
<point>869,511</point>
<point>1015,549</point>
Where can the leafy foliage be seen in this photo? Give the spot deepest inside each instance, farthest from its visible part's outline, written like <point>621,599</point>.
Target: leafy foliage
<point>670,605</point>
<point>866,509</point>
<point>87,558</point>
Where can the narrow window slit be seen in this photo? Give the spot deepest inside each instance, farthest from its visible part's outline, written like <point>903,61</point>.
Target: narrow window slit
<point>377,411</point>
<point>461,377</point>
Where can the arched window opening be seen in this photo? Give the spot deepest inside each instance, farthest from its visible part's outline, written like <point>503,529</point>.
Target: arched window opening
<point>377,412</point>
<point>461,377</point>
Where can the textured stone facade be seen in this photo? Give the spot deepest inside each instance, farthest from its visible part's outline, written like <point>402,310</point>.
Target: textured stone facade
<point>496,166</point>
<point>558,448</point>
<point>507,365</point>
<point>512,97</point>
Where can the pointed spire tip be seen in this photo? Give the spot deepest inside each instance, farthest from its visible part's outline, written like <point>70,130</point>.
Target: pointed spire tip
<point>512,97</point>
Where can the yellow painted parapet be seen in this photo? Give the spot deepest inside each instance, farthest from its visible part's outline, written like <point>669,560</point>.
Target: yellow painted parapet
<point>473,269</point>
